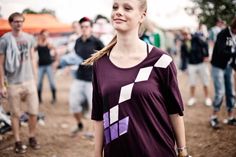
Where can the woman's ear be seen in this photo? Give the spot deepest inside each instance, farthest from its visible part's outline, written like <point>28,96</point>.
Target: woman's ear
<point>143,16</point>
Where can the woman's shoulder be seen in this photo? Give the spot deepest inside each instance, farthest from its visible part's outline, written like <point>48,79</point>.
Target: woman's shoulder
<point>101,60</point>
<point>162,58</point>
<point>157,51</point>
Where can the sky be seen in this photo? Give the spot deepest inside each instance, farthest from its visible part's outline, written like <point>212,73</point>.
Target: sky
<point>166,13</point>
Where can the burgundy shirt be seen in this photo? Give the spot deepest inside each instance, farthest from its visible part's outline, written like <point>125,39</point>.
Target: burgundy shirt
<point>135,104</point>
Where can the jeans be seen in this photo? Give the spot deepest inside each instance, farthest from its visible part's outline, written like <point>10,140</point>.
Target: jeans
<point>224,85</point>
<point>46,69</point>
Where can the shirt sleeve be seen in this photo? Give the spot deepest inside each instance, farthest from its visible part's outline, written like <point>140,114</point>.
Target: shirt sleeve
<point>97,106</point>
<point>3,46</point>
<point>173,96</point>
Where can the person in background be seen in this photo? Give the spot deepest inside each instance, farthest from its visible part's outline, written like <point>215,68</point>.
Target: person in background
<point>46,56</point>
<point>223,59</point>
<point>102,29</point>
<point>17,65</point>
<point>152,34</point>
<point>198,57</point>
<point>213,32</point>
<point>137,106</point>
<point>71,59</point>
<point>73,37</point>
<point>185,49</point>
<point>81,89</point>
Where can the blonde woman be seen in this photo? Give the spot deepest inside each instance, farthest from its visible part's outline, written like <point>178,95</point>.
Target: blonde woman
<point>137,107</point>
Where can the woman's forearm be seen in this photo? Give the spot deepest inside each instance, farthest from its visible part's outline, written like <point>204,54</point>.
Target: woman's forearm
<point>98,126</point>
<point>179,130</point>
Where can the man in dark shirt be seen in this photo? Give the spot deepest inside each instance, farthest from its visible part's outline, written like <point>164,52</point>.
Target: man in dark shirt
<point>223,60</point>
<point>81,89</point>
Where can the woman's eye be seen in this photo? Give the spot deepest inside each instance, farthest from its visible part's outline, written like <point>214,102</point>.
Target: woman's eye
<point>127,8</point>
<point>115,7</point>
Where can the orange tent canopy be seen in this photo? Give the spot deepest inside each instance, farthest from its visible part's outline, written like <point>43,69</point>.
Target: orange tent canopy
<point>34,23</point>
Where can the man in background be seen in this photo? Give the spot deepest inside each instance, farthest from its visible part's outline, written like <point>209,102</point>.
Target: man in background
<point>81,89</point>
<point>17,65</point>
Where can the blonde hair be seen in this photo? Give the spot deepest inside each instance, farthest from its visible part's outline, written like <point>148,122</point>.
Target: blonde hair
<point>106,50</point>
<point>102,52</point>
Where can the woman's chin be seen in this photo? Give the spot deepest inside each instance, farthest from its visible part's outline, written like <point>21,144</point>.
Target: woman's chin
<point>119,29</point>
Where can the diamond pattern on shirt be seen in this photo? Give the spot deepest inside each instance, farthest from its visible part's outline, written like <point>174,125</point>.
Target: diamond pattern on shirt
<point>143,74</point>
<point>114,114</point>
<point>125,93</point>
<point>163,61</point>
<point>113,127</point>
<point>123,126</point>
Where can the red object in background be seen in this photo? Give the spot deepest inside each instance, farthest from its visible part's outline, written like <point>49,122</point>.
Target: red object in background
<point>34,23</point>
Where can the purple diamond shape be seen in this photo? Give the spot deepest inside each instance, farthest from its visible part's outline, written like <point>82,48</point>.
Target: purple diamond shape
<point>123,126</point>
<point>114,131</point>
<point>105,120</point>
<point>107,135</point>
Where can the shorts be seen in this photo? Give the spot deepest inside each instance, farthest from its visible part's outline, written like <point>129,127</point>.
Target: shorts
<point>80,92</point>
<point>23,96</point>
<point>201,70</point>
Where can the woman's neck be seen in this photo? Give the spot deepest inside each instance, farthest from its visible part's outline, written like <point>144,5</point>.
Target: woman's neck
<point>42,42</point>
<point>128,43</point>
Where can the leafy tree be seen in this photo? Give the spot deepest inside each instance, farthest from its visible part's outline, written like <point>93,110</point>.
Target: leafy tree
<point>209,11</point>
<point>43,11</point>
<point>48,11</point>
<point>29,11</point>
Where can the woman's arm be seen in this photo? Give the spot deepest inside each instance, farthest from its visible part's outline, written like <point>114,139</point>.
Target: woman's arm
<point>98,125</point>
<point>177,122</point>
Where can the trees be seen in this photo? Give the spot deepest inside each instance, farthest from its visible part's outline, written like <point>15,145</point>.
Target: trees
<point>209,10</point>
<point>43,11</point>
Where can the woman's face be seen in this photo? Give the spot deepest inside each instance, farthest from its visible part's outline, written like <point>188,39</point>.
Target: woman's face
<point>126,15</point>
<point>44,35</point>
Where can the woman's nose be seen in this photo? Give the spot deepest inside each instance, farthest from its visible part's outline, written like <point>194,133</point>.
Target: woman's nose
<point>119,12</point>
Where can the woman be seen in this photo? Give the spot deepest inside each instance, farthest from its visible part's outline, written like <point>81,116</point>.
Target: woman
<point>137,107</point>
<point>46,54</point>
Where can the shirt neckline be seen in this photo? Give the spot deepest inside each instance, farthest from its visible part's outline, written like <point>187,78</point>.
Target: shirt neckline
<point>134,66</point>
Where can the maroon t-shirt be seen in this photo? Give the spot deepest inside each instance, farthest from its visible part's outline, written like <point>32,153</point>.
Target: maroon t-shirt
<point>135,104</point>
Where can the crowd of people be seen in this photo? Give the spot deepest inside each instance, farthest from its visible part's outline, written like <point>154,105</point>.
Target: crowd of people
<point>195,59</point>
<point>122,77</point>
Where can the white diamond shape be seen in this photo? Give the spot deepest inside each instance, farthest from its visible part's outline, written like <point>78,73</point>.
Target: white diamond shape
<point>114,114</point>
<point>163,61</point>
<point>125,92</point>
<point>143,74</point>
